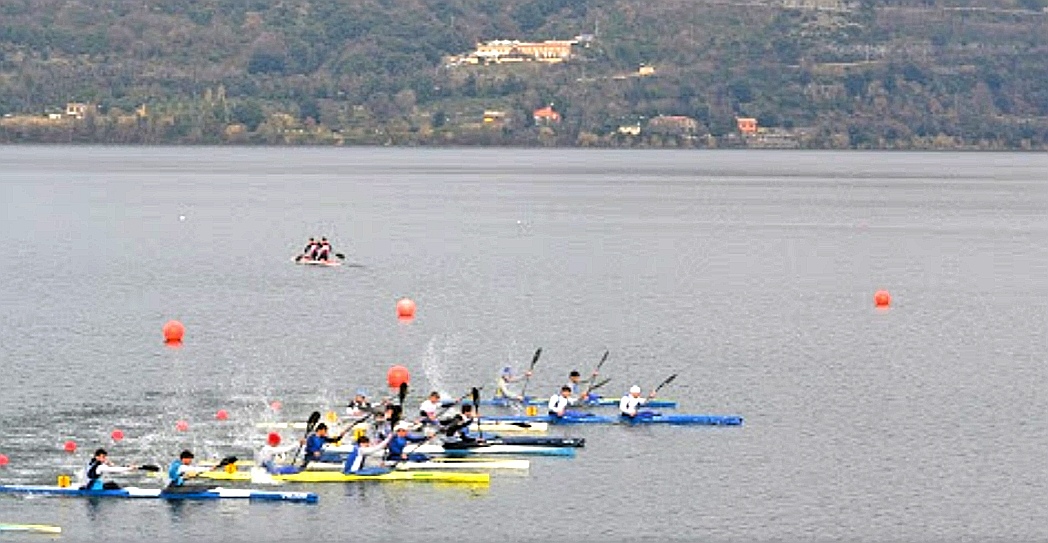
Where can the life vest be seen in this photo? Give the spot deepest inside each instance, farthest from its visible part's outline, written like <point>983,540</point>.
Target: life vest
<point>174,473</point>
<point>94,479</point>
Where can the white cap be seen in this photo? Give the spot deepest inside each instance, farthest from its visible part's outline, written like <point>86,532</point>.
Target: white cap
<point>634,389</point>
<point>402,425</point>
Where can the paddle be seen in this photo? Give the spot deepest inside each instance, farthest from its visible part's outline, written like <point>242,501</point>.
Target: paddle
<point>590,388</point>
<point>599,384</point>
<point>340,256</point>
<point>534,360</point>
<point>221,464</point>
<point>476,401</point>
<point>664,383</point>
<point>311,423</point>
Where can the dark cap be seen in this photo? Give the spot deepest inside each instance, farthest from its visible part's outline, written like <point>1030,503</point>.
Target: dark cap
<point>321,426</point>
<point>100,452</point>
<point>186,454</point>
<point>574,374</point>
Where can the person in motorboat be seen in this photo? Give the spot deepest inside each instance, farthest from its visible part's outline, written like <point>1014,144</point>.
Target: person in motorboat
<point>316,441</point>
<point>559,403</point>
<point>428,410</point>
<point>506,376</point>
<point>629,404</point>
<point>92,477</point>
<point>266,457</point>
<point>182,468</point>
<point>363,448</point>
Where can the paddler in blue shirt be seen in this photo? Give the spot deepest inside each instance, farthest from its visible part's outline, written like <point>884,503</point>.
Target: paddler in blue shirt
<point>179,469</point>
<point>629,404</point>
<point>399,442</point>
<point>92,475</point>
<point>316,441</point>
<point>559,403</point>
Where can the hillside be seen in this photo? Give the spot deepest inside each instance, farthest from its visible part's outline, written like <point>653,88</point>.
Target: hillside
<point>814,73</point>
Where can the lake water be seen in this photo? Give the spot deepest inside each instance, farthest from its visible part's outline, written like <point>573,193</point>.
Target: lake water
<point>751,274</point>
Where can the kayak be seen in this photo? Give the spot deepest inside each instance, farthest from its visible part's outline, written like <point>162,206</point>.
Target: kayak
<point>650,418</point>
<point>328,263</point>
<point>598,402</point>
<point>31,528</point>
<point>534,441</point>
<point>378,474</point>
<point>458,449</point>
<point>163,494</point>
<point>498,427</point>
<point>439,464</point>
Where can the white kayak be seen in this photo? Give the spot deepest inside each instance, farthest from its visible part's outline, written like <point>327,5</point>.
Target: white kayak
<point>434,449</point>
<point>464,464</point>
<point>495,427</point>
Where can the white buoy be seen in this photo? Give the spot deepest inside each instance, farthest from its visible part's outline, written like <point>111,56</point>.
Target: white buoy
<point>181,217</point>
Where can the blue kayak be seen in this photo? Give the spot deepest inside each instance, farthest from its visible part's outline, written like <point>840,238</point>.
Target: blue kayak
<point>163,494</point>
<point>576,417</point>
<point>542,402</point>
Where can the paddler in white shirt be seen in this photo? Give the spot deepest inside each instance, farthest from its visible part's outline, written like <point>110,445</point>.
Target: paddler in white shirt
<point>629,403</point>
<point>428,410</point>
<point>559,403</point>
<point>266,457</point>
<point>360,405</point>
<point>92,475</point>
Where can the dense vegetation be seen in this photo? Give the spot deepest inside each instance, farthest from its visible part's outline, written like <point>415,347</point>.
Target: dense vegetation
<point>870,74</point>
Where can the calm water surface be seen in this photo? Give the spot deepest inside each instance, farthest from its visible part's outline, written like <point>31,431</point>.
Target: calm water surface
<point>749,274</point>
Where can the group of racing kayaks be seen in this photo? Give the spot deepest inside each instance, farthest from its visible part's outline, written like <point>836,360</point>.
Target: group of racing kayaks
<point>448,441</point>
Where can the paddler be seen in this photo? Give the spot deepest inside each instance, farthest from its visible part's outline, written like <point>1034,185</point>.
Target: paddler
<point>559,403</point>
<point>324,250</point>
<point>316,441</point>
<point>92,475</point>
<point>360,405</point>
<point>459,425</point>
<point>428,410</point>
<point>179,469</point>
<point>395,450</point>
<point>266,457</point>
<point>307,253</point>
<point>575,382</point>
<point>361,450</point>
<point>629,403</point>
<point>505,378</point>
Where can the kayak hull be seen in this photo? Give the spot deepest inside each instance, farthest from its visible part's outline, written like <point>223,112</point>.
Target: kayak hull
<point>496,427</point>
<point>31,528</point>
<point>339,477</point>
<point>458,450</point>
<point>159,493</point>
<point>599,402</point>
<point>439,464</point>
<point>658,418</point>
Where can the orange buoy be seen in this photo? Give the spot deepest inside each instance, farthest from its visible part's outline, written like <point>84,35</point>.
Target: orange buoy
<point>406,308</point>
<point>117,434</point>
<point>173,331</point>
<point>397,375</point>
<point>882,298</point>
<point>222,415</point>
<point>69,446</point>
<point>181,426</point>
<point>4,460</point>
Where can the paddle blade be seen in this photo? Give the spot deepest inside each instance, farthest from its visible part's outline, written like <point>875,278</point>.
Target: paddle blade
<point>340,256</point>
<point>666,382</point>
<point>403,393</point>
<point>535,359</point>
<point>603,359</point>
<point>600,383</point>
<point>226,461</point>
<point>150,467</point>
<point>311,423</point>
<point>475,394</point>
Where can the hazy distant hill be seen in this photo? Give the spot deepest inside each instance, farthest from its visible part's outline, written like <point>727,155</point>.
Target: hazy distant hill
<point>820,73</point>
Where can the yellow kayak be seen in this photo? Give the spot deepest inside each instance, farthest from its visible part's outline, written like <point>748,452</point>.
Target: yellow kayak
<point>31,528</point>
<point>339,477</point>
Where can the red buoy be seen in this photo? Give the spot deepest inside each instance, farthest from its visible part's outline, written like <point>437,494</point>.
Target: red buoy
<point>406,308</point>
<point>69,446</point>
<point>397,375</point>
<point>882,298</point>
<point>4,460</point>
<point>181,426</point>
<point>222,415</point>
<point>117,434</point>
<point>173,331</point>
<point>276,405</point>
